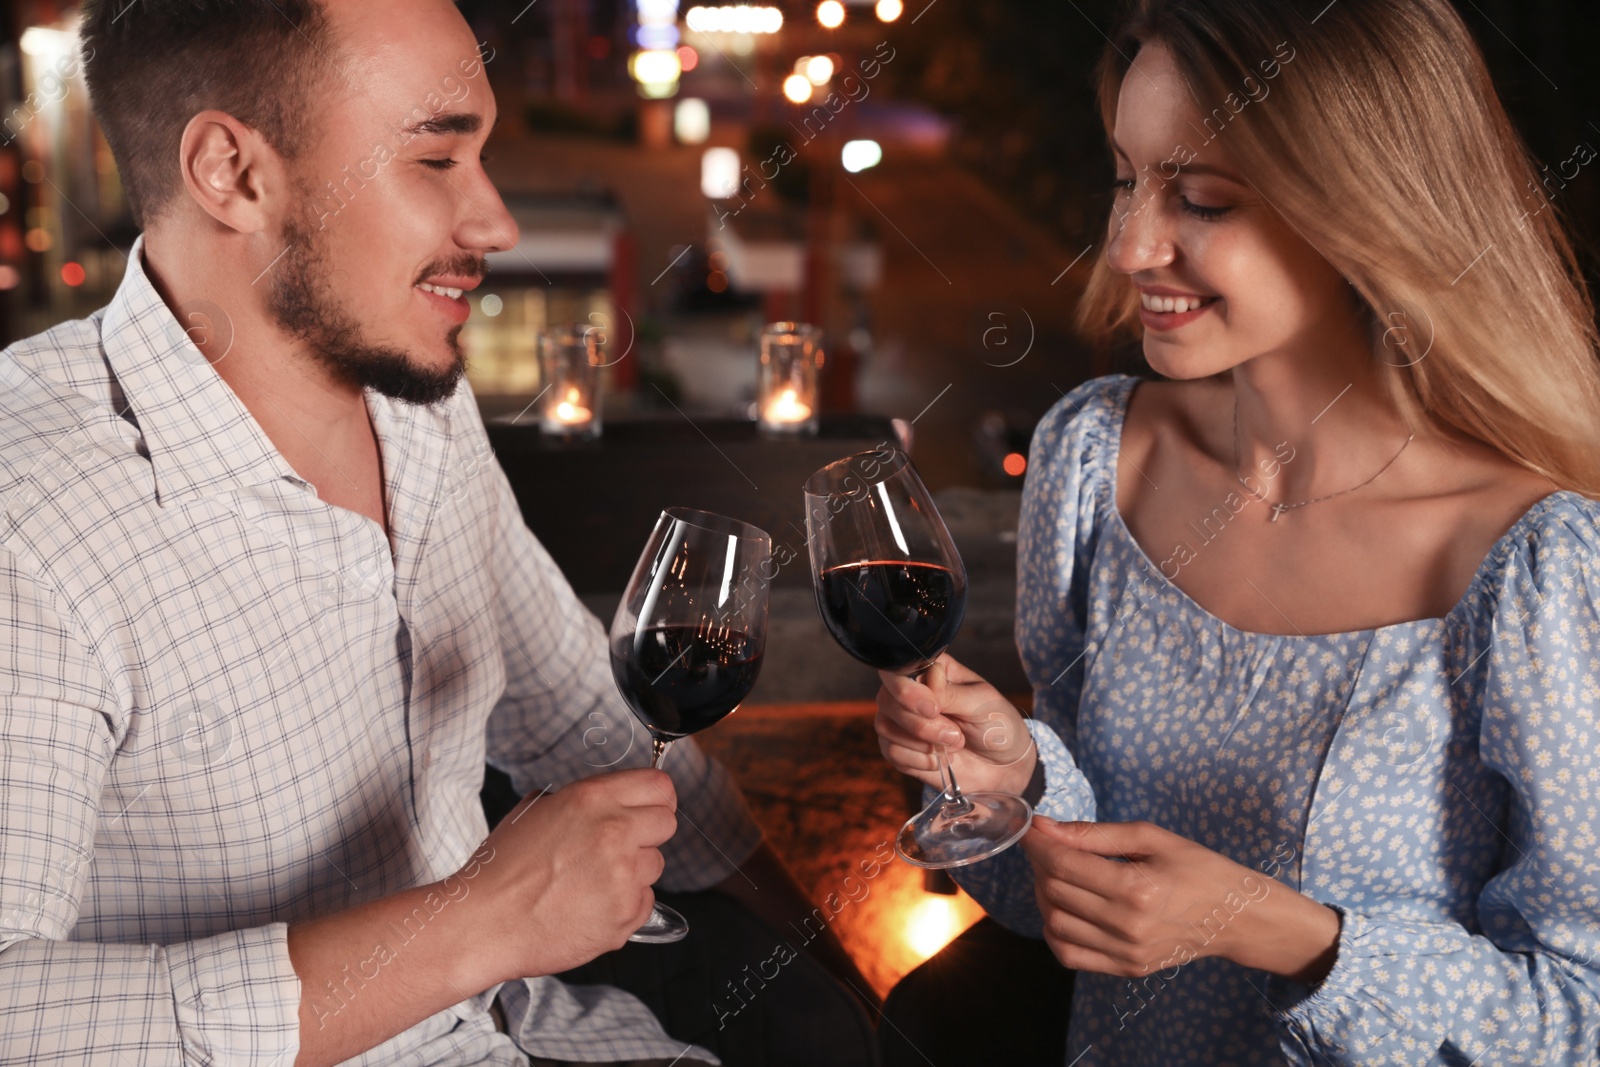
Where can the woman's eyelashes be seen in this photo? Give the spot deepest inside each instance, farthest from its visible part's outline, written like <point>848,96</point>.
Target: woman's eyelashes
<point>1208,214</point>
<point>1199,211</point>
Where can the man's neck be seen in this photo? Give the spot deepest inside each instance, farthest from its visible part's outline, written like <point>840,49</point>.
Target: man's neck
<point>317,421</point>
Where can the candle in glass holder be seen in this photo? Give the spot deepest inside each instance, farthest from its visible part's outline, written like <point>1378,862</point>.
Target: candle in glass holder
<point>570,362</point>
<point>787,407</point>
<point>786,387</point>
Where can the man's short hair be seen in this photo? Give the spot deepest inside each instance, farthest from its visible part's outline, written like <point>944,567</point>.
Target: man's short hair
<point>152,65</point>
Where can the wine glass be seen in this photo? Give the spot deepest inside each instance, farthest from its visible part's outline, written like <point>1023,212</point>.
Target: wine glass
<point>892,590</point>
<point>687,639</point>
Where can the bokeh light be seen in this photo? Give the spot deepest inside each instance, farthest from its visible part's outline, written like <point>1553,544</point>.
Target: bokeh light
<point>797,87</point>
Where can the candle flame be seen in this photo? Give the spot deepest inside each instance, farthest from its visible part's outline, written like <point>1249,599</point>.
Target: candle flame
<point>788,407</point>
<point>570,408</point>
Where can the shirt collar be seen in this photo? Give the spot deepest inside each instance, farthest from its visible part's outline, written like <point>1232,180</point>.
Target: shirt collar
<point>200,436</point>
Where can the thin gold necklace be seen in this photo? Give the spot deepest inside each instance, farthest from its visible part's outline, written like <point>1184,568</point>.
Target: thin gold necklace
<point>1279,509</point>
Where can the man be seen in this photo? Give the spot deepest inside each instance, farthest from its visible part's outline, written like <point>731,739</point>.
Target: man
<point>269,603</point>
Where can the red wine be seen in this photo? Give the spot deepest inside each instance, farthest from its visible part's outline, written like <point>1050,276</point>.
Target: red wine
<point>892,615</point>
<point>681,679</point>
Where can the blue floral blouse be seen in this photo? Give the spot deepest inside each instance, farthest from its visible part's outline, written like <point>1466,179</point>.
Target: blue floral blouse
<point>1434,781</point>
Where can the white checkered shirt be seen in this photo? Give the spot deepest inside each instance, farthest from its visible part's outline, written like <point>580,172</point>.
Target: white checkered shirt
<point>226,707</point>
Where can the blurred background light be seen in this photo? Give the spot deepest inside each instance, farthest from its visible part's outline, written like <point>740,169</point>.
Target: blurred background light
<point>797,87</point>
<point>719,173</point>
<point>831,14</point>
<point>857,156</point>
<point>691,121</point>
<point>739,18</point>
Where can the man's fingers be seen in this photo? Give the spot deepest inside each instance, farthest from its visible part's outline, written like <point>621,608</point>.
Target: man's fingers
<point>656,824</point>
<point>638,788</point>
<point>651,863</point>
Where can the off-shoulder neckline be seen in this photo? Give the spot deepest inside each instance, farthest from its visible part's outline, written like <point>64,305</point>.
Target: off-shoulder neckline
<point>1124,385</point>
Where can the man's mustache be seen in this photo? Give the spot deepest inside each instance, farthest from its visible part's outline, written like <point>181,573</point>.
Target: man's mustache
<point>465,266</point>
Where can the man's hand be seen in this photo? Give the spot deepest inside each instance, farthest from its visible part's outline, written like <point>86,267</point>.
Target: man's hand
<point>990,747</point>
<point>567,875</point>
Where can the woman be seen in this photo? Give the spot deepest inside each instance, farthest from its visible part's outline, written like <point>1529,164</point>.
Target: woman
<point>1312,625</point>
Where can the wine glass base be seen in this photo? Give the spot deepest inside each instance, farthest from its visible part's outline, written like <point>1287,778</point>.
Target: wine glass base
<point>954,834</point>
<point>663,927</point>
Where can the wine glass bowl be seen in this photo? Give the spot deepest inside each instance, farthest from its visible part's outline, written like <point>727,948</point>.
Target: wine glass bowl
<point>687,640</point>
<point>892,591</point>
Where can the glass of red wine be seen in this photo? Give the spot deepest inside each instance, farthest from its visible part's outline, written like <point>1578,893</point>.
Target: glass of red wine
<point>892,591</point>
<point>687,639</point>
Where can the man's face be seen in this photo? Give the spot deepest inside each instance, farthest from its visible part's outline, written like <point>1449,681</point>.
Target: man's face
<point>393,211</point>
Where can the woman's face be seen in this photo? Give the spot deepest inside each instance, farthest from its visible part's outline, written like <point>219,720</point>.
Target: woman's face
<point>1186,224</point>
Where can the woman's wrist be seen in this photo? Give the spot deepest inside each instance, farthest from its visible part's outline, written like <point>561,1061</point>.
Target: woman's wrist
<point>1287,934</point>
<point>1020,774</point>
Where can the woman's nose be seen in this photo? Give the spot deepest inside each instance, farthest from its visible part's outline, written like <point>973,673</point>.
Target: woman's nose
<point>1141,237</point>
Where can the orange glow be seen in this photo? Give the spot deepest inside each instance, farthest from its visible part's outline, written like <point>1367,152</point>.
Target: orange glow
<point>932,924</point>
<point>72,273</point>
<point>688,57</point>
<point>717,281</point>
<point>1015,463</point>
<point>38,240</point>
<point>831,14</point>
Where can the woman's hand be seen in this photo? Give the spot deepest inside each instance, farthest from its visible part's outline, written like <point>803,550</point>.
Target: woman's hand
<point>990,748</point>
<point>1171,902</point>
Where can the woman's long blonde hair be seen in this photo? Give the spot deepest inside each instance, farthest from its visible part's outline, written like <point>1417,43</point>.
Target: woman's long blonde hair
<point>1382,141</point>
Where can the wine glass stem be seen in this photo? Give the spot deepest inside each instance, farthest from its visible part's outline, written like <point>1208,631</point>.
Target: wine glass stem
<point>953,798</point>
<point>659,749</point>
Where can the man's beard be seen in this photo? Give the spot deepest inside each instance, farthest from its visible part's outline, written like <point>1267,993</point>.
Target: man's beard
<point>300,299</point>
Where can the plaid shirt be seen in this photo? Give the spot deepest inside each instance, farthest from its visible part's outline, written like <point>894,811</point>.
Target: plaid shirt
<point>226,706</point>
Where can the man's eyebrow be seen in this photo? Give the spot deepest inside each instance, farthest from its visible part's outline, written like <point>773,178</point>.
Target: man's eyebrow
<point>1192,168</point>
<point>447,122</point>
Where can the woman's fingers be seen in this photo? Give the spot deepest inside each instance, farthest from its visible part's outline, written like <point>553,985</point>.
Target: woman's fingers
<point>1062,925</point>
<point>937,730</point>
<point>923,766</point>
<point>957,673</point>
<point>1091,907</point>
<point>917,734</point>
<point>1054,860</point>
<point>1077,958</point>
